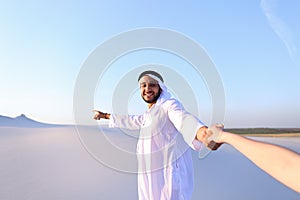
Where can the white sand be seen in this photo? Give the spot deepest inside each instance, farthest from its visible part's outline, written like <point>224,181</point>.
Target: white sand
<point>51,163</point>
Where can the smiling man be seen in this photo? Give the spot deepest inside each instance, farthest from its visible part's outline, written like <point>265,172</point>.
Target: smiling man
<point>150,89</point>
<point>167,134</point>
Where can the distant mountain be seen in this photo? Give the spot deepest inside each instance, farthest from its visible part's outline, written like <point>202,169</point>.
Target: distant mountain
<point>23,121</point>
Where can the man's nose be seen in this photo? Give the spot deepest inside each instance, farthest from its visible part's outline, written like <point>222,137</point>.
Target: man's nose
<point>148,88</point>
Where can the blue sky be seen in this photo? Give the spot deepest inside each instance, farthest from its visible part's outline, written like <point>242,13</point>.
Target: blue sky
<point>254,45</point>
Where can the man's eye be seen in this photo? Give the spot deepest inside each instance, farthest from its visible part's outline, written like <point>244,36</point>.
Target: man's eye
<point>152,85</point>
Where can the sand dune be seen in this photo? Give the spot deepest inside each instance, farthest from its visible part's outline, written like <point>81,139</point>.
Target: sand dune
<point>23,121</point>
<point>52,164</point>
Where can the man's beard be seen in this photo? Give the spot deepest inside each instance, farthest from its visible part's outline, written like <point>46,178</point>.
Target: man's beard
<point>154,99</point>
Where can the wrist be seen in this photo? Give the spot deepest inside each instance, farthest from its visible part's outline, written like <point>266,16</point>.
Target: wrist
<point>201,133</point>
<point>106,116</point>
<point>225,137</point>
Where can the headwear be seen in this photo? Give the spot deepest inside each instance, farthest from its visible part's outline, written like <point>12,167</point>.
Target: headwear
<point>152,73</point>
<point>156,76</point>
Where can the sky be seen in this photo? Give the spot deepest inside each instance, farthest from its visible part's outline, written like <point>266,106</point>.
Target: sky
<point>253,44</point>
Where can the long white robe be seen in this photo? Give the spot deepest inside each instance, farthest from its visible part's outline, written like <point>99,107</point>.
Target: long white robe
<point>167,132</point>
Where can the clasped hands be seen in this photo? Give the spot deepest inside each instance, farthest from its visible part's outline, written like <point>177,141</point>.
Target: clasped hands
<point>211,136</point>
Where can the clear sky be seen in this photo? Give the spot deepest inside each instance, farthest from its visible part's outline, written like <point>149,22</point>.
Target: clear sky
<point>254,45</point>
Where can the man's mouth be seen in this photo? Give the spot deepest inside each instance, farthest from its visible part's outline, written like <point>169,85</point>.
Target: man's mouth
<point>149,95</point>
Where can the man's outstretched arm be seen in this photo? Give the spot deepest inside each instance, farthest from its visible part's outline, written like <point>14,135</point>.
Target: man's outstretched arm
<point>132,122</point>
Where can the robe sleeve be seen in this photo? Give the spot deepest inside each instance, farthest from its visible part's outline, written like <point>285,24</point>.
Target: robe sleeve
<point>132,122</point>
<point>186,123</point>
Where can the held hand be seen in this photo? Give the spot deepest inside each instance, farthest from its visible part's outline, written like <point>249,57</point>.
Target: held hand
<point>213,136</point>
<point>98,115</point>
<point>202,134</point>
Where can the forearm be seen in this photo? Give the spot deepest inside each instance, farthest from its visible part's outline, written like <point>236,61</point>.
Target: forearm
<point>281,163</point>
<point>132,122</point>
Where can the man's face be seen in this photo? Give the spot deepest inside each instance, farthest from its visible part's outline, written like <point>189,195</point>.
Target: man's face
<point>150,90</point>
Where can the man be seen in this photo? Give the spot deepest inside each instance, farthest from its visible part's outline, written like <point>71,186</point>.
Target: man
<point>167,131</point>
